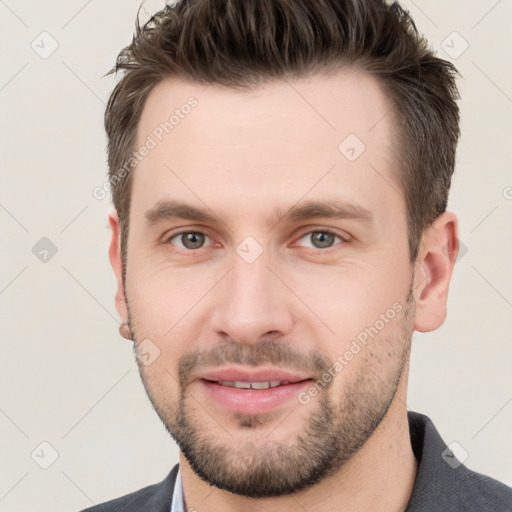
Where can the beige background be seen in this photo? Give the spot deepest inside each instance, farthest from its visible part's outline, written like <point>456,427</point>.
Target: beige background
<point>67,378</point>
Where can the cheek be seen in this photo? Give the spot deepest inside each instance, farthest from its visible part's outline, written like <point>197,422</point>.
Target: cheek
<point>165,329</point>
<point>367,364</point>
<point>161,385</point>
<point>161,297</point>
<point>350,297</point>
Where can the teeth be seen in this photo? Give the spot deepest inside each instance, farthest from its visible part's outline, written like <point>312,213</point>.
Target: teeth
<point>242,385</point>
<point>253,385</point>
<point>260,385</point>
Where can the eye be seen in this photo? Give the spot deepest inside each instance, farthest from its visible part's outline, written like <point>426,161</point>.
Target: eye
<point>193,240</point>
<point>189,240</point>
<point>322,238</point>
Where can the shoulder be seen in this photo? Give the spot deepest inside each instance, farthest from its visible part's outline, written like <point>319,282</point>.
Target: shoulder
<point>485,493</point>
<point>154,498</point>
<point>444,481</point>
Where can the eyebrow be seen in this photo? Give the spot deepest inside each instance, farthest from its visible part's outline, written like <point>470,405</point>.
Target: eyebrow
<point>307,210</point>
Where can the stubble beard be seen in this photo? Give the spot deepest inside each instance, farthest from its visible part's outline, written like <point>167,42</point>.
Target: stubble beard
<point>336,429</point>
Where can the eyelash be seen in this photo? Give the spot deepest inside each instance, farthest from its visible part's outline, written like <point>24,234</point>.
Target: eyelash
<point>344,240</point>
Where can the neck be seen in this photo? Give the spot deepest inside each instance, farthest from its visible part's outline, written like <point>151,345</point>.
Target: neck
<point>379,477</point>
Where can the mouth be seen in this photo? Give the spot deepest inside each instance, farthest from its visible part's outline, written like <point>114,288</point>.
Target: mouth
<point>253,392</point>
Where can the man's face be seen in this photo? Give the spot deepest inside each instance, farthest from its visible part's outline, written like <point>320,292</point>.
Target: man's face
<point>256,290</point>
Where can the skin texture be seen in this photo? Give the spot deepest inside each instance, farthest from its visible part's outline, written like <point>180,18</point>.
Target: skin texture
<point>247,158</point>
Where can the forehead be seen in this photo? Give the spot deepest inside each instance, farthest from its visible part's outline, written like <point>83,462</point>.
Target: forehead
<point>276,142</point>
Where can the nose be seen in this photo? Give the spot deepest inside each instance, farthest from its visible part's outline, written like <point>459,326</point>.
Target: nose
<point>252,303</point>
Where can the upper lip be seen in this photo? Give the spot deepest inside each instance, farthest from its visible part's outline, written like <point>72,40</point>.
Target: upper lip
<point>232,374</point>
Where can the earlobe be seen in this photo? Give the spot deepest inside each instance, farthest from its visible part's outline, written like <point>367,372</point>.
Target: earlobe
<point>433,270</point>
<point>117,265</point>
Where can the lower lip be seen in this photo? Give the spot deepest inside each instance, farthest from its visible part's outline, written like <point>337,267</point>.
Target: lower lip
<point>253,401</point>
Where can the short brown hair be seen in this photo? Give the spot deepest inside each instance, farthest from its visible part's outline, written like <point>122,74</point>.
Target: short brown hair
<point>241,43</point>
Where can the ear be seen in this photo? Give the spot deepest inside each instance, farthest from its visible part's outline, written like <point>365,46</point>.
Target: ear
<point>437,254</point>
<point>117,265</point>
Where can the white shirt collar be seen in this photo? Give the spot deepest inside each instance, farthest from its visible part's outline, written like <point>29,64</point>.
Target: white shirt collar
<point>177,504</point>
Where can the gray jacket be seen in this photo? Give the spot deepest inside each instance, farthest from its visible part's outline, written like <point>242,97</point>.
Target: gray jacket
<point>442,483</point>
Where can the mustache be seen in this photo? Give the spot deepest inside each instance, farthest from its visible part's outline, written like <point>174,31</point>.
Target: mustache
<point>279,355</point>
